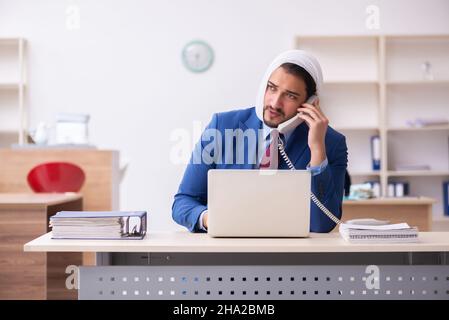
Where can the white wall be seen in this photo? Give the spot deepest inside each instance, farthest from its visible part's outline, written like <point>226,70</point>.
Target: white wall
<point>123,67</point>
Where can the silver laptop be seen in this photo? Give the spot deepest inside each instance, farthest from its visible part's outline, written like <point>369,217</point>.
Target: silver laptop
<point>258,203</point>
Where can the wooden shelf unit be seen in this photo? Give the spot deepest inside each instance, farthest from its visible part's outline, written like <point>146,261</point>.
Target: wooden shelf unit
<point>13,113</point>
<point>373,85</point>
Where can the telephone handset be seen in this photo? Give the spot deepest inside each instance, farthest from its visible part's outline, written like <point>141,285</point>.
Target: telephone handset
<point>293,123</point>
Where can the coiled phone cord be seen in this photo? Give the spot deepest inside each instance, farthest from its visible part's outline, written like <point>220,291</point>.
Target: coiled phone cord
<point>313,197</point>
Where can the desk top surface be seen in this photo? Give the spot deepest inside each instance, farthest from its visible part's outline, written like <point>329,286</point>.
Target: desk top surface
<point>190,242</point>
<point>36,199</point>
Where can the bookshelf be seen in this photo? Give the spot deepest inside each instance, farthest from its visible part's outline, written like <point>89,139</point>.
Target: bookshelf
<point>13,115</point>
<point>373,85</point>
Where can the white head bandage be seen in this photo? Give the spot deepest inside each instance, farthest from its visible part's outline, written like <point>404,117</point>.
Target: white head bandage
<point>298,57</point>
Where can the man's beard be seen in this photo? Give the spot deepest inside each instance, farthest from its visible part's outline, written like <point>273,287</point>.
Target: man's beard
<point>270,123</point>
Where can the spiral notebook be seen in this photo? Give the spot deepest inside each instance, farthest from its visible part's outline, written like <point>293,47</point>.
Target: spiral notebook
<point>388,233</point>
<point>110,225</point>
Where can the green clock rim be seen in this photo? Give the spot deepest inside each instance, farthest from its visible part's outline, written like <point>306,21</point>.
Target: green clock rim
<point>208,47</point>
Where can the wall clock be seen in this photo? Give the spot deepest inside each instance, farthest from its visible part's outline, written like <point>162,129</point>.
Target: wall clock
<point>197,56</point>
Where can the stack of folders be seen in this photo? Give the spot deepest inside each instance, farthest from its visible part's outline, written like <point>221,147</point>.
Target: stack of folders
<point>446,197</point>
<point>375,152</point>
<point>387,233</point>
<point>111,225</point>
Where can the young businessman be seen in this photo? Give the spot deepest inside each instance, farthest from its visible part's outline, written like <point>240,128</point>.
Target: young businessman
<point>289,81</point>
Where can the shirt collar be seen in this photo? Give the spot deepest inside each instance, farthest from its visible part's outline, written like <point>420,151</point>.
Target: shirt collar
<point>267,131</point>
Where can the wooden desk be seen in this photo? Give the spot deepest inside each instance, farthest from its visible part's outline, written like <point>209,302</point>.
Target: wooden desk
<point>414,211</point>
<point>26,275</point>
<point>101,188</point>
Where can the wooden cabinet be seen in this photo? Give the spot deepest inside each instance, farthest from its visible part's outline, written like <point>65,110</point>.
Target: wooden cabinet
<point>25,275</point>
<point>415,211</point>
<point>100,190</point>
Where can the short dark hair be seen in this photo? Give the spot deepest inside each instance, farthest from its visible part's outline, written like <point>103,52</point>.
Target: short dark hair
<point>301,73</point>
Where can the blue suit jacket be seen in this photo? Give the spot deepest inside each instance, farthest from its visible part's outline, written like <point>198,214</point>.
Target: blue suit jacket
<point>328,186</point>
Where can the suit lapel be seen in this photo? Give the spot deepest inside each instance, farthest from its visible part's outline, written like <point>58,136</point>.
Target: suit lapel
<point>296,144</point>
<point>295,148</point>
<point>252,123</point>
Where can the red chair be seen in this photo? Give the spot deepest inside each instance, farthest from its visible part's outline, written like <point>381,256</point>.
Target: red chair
<point>56,177</point>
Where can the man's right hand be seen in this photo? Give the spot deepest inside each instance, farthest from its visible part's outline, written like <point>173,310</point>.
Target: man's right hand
<point>205,216</point>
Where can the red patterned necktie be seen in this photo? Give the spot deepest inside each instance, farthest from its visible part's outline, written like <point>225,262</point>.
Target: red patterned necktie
<point>270,159</point>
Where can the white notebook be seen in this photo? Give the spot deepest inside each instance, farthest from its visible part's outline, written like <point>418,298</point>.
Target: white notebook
<point>387,233</point>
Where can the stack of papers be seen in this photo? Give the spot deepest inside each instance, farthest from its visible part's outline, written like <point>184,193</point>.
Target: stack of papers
<point>98,225</point>
<point>387,233</point>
